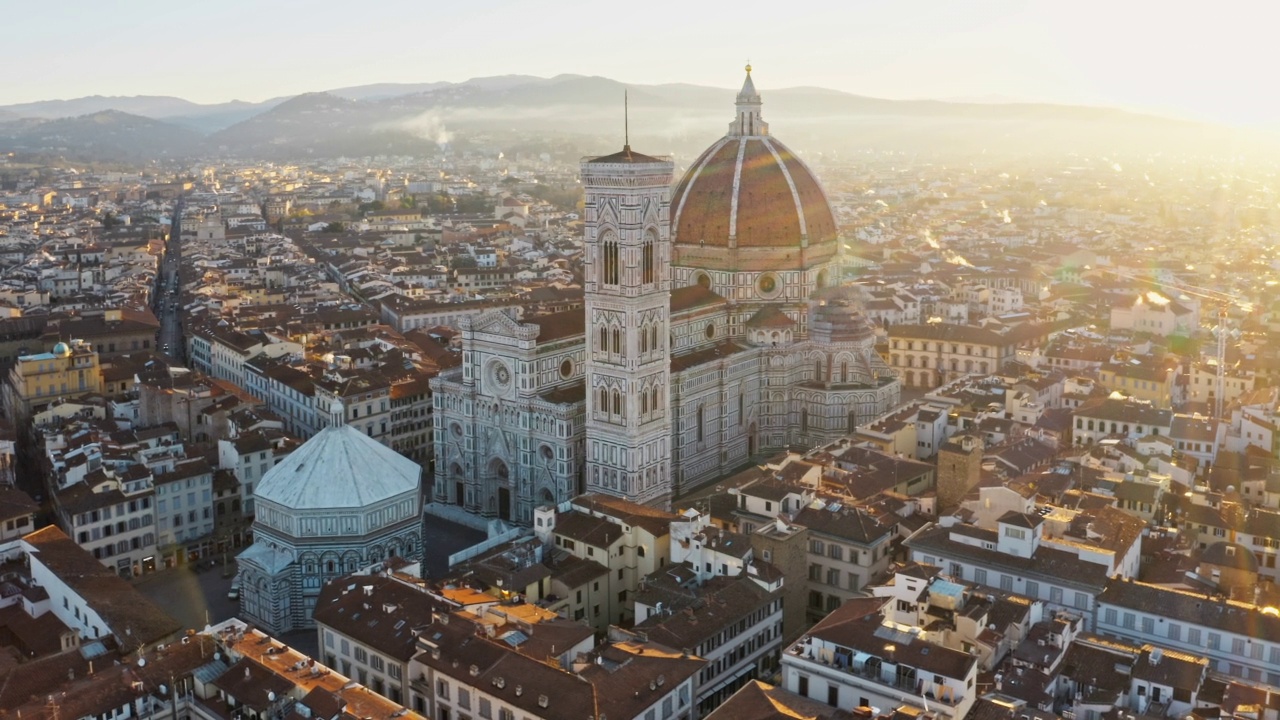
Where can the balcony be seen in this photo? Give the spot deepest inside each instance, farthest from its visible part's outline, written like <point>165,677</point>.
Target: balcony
<point>899,679</point>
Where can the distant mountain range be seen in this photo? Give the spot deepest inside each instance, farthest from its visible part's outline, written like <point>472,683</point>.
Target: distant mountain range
<point>416,118</point>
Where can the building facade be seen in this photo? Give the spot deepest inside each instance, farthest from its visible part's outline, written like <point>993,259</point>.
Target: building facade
<point>708,339</point>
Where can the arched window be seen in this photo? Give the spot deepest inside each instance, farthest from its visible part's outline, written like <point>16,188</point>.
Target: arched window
<point>617,403</point>
<point>655,400</point>
<point>644,403</point>
<point>853,421</point>
<point>617,342</point>
<point>644,340</point>
<point>653,336</point>
<point>804,420</point>
<point>610,249</point>
<point>604,339</point>
<point>604,400</point>
<point>648,262</point>
<point>699,424</point>
<point>818,370</point>
<point>844,371</point>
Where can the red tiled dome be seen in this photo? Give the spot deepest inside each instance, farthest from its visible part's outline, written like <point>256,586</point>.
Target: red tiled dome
<point>749,203</point>
<point>775,203</point>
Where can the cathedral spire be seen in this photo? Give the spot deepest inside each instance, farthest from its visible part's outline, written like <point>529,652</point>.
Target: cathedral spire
<point>749,121</point>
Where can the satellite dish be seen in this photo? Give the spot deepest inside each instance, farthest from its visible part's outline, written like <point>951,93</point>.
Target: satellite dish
<point>142,662</point>
<point>271,696</point>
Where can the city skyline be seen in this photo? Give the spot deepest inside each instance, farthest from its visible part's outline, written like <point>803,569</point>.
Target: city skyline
<point>1181,63</point>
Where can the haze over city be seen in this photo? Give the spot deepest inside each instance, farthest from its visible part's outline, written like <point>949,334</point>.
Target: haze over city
<point>1177,58</point>
<point>677,361</point>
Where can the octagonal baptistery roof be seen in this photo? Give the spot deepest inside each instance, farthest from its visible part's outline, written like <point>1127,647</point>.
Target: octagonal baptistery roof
<point>748,203</point>
<point>340,467</point>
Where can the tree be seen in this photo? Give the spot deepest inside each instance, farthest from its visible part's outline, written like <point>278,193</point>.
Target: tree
<point>474,204</point>
<point>463,262</point>
<point>334,227</point>
<point>440,203</point>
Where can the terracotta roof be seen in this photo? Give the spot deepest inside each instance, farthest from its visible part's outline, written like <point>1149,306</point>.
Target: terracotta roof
<point>560,325</point>
<point>856,623</point>
<point>770,317</point>
<point>625,155</point>
<point>129,615</point>
<point>760,701</point>
<point>694,296</point>
<point>382,617</point>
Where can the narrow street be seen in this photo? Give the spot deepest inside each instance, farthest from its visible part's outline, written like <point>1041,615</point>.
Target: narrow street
<point>168,306</point>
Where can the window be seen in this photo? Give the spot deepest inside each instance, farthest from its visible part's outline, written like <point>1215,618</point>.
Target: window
<point>836,552</point>
<point>1033,590</point>
<point>1006,583</point>
<point>980,576</point>
<point>1193,636</point>
<point>610,249</point>
<point>1148,625</point>
<point>1174,631</point>
<point>1109,616</point>
<point>1215,641</point>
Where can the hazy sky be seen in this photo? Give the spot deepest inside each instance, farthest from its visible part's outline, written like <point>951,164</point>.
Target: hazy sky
<point>1212,60</point>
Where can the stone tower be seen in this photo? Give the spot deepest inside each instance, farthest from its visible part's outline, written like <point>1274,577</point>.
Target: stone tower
<point>628,305</point>
<point>959,469</point>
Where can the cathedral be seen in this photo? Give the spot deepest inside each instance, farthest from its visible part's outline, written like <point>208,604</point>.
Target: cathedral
<point>714,332</point>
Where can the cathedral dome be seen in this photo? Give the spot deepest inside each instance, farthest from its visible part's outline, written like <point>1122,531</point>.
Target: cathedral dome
<point>749,197</point>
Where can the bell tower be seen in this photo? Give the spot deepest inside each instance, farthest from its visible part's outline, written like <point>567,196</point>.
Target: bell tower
<point>628,304</point>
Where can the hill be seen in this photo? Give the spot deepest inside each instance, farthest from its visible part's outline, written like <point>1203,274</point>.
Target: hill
<point>105,135</point>
<point>418,118</point>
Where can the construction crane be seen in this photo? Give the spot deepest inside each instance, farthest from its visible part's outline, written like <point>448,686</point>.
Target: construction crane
<point>1223,301</point>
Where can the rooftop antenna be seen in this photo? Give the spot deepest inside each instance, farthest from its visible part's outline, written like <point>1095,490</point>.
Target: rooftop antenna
<point>626,121</point>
